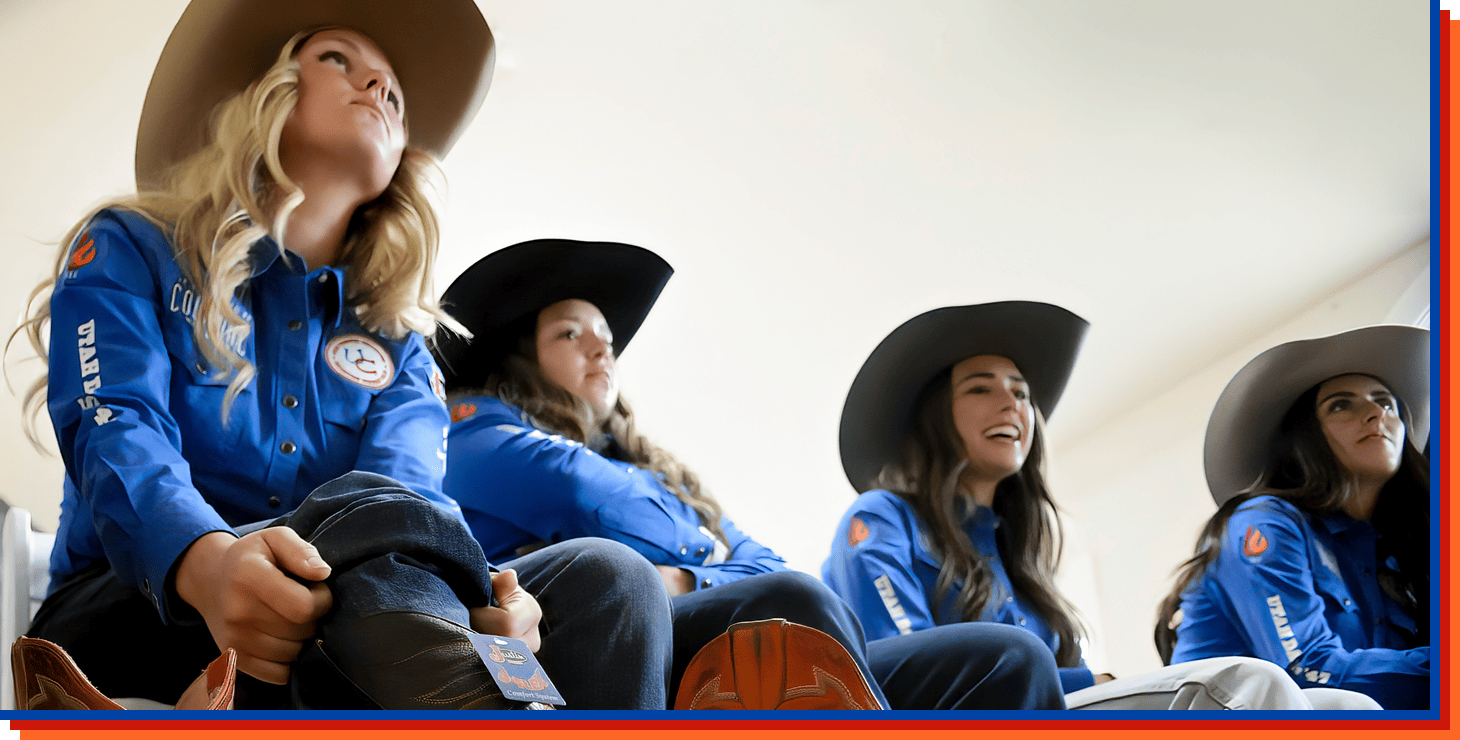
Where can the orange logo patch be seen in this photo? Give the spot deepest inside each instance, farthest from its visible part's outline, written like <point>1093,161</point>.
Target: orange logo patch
<point>857,532</point>
<point>462,410</point>
<point>84,254</point>
<point>1254,543</point>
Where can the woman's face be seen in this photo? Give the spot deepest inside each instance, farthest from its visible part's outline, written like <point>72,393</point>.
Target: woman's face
<point>575,350</point>
<point>350,115</point>
<point>993,415</point>
<point>1360,419</point>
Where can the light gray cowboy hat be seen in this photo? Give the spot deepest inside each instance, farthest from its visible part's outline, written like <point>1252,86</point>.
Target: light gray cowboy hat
<point>1042,340</point>
<point>1243,431</point>
<point>441,50</point>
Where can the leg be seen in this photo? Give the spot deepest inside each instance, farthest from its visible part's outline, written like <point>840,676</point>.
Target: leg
<point>606,630</point>
<point>404,572</point>
<point>1213,683</point>
<point>1339,699</point>
<point>972,665</point>
<point>702,616</point>
<point>118,640</point>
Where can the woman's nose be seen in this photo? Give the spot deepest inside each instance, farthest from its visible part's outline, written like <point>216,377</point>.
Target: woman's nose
<point>598,346</point>
<point>376,82</point>
<point>1373,410</point>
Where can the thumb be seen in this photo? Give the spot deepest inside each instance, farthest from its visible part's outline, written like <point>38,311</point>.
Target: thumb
<point>293,555</point>
<point>503,584</point>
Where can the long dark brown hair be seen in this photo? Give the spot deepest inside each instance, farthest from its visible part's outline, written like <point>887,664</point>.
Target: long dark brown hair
<point>1029,535</point>
<point>519,381</point>
<point>1305,472</point>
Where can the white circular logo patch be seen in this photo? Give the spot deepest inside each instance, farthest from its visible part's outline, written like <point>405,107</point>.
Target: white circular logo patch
<point>360,360</point>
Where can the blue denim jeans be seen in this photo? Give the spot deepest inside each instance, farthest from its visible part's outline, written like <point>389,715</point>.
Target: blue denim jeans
<point>606,630</point>
<point>970,665</point>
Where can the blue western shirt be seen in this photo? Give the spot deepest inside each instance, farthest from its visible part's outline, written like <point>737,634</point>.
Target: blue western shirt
<point>150,465</point>
<point>520,486</point>
<point>1301,590</point>
<point>882,564</point>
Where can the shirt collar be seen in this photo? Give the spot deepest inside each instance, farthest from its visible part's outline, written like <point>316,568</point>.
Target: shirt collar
<point>1339,523</point>
<point>265,255</point>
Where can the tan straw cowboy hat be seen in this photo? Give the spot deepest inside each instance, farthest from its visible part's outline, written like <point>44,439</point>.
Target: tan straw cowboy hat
<point>441,50</point>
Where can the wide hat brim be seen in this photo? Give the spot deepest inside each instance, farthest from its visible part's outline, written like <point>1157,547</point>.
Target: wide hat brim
<point>441,50</point>
<point>1243,433</point>
<point>1042,340</point>
<point>502,293</point>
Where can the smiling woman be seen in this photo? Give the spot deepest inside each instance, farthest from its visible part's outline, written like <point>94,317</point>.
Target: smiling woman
<point>956,533</point>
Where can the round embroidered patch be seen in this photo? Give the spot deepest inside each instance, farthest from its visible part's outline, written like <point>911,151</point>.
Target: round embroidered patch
<point>360,360</point>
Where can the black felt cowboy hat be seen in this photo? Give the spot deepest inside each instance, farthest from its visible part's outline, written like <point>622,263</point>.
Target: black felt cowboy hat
<point>1041,340</point>
<point>499,297</point>
<point>1242,435</point>
<point>441,50</point>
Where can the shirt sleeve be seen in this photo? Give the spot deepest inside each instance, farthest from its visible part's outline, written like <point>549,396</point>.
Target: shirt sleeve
<point>1282,616</point>
<point>746,558</point>
<point>1075,678</point>
<point>406,427</point>
<point>108,398</point>
<point>549,486</point>
<point>871,568</point>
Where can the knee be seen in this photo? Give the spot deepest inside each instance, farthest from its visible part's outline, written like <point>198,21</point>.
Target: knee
<point>1009,650</point>
<point>796,597</point>
<point>611,565</point>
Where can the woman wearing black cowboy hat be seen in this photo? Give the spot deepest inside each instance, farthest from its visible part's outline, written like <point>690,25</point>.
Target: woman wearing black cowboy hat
<point>955,534</point>
<point>544,449</point>
<point>244,339</point>
<point>1318,556</point>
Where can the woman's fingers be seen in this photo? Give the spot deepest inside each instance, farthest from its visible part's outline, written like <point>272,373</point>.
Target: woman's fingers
<point>293,555</point>
<point>258,608</point>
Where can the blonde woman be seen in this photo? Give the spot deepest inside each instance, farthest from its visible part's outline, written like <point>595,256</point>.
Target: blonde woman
<point>251,424</point>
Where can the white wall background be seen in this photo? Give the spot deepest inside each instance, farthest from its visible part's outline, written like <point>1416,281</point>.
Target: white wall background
<point>1199,179</point>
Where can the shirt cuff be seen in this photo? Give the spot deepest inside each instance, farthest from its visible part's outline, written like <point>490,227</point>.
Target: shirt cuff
<point>1074,679</point>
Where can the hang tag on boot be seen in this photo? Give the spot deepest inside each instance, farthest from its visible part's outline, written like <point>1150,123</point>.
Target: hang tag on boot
<point>516,670</point>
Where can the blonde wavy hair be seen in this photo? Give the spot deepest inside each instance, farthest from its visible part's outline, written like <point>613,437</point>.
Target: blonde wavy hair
<point>215,205</point>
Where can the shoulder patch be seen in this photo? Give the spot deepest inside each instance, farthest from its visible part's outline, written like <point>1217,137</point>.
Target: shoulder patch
<point>84,253</point>
<point>857,532</point>
<point>360,360</point>
<point>438,383</point>
<point>462,411</point>
<point>1254,543</point>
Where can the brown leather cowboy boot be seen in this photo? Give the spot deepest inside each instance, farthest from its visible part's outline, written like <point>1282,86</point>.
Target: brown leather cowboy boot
<point>773,664</point>
<point>47,678</point>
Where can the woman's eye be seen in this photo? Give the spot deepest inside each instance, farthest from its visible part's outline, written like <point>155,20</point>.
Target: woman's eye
<point>336,57</point>
<point>1387,403</point>
<point>1021,394</point>
<point>1337,406</point>
<point>394,101</point>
